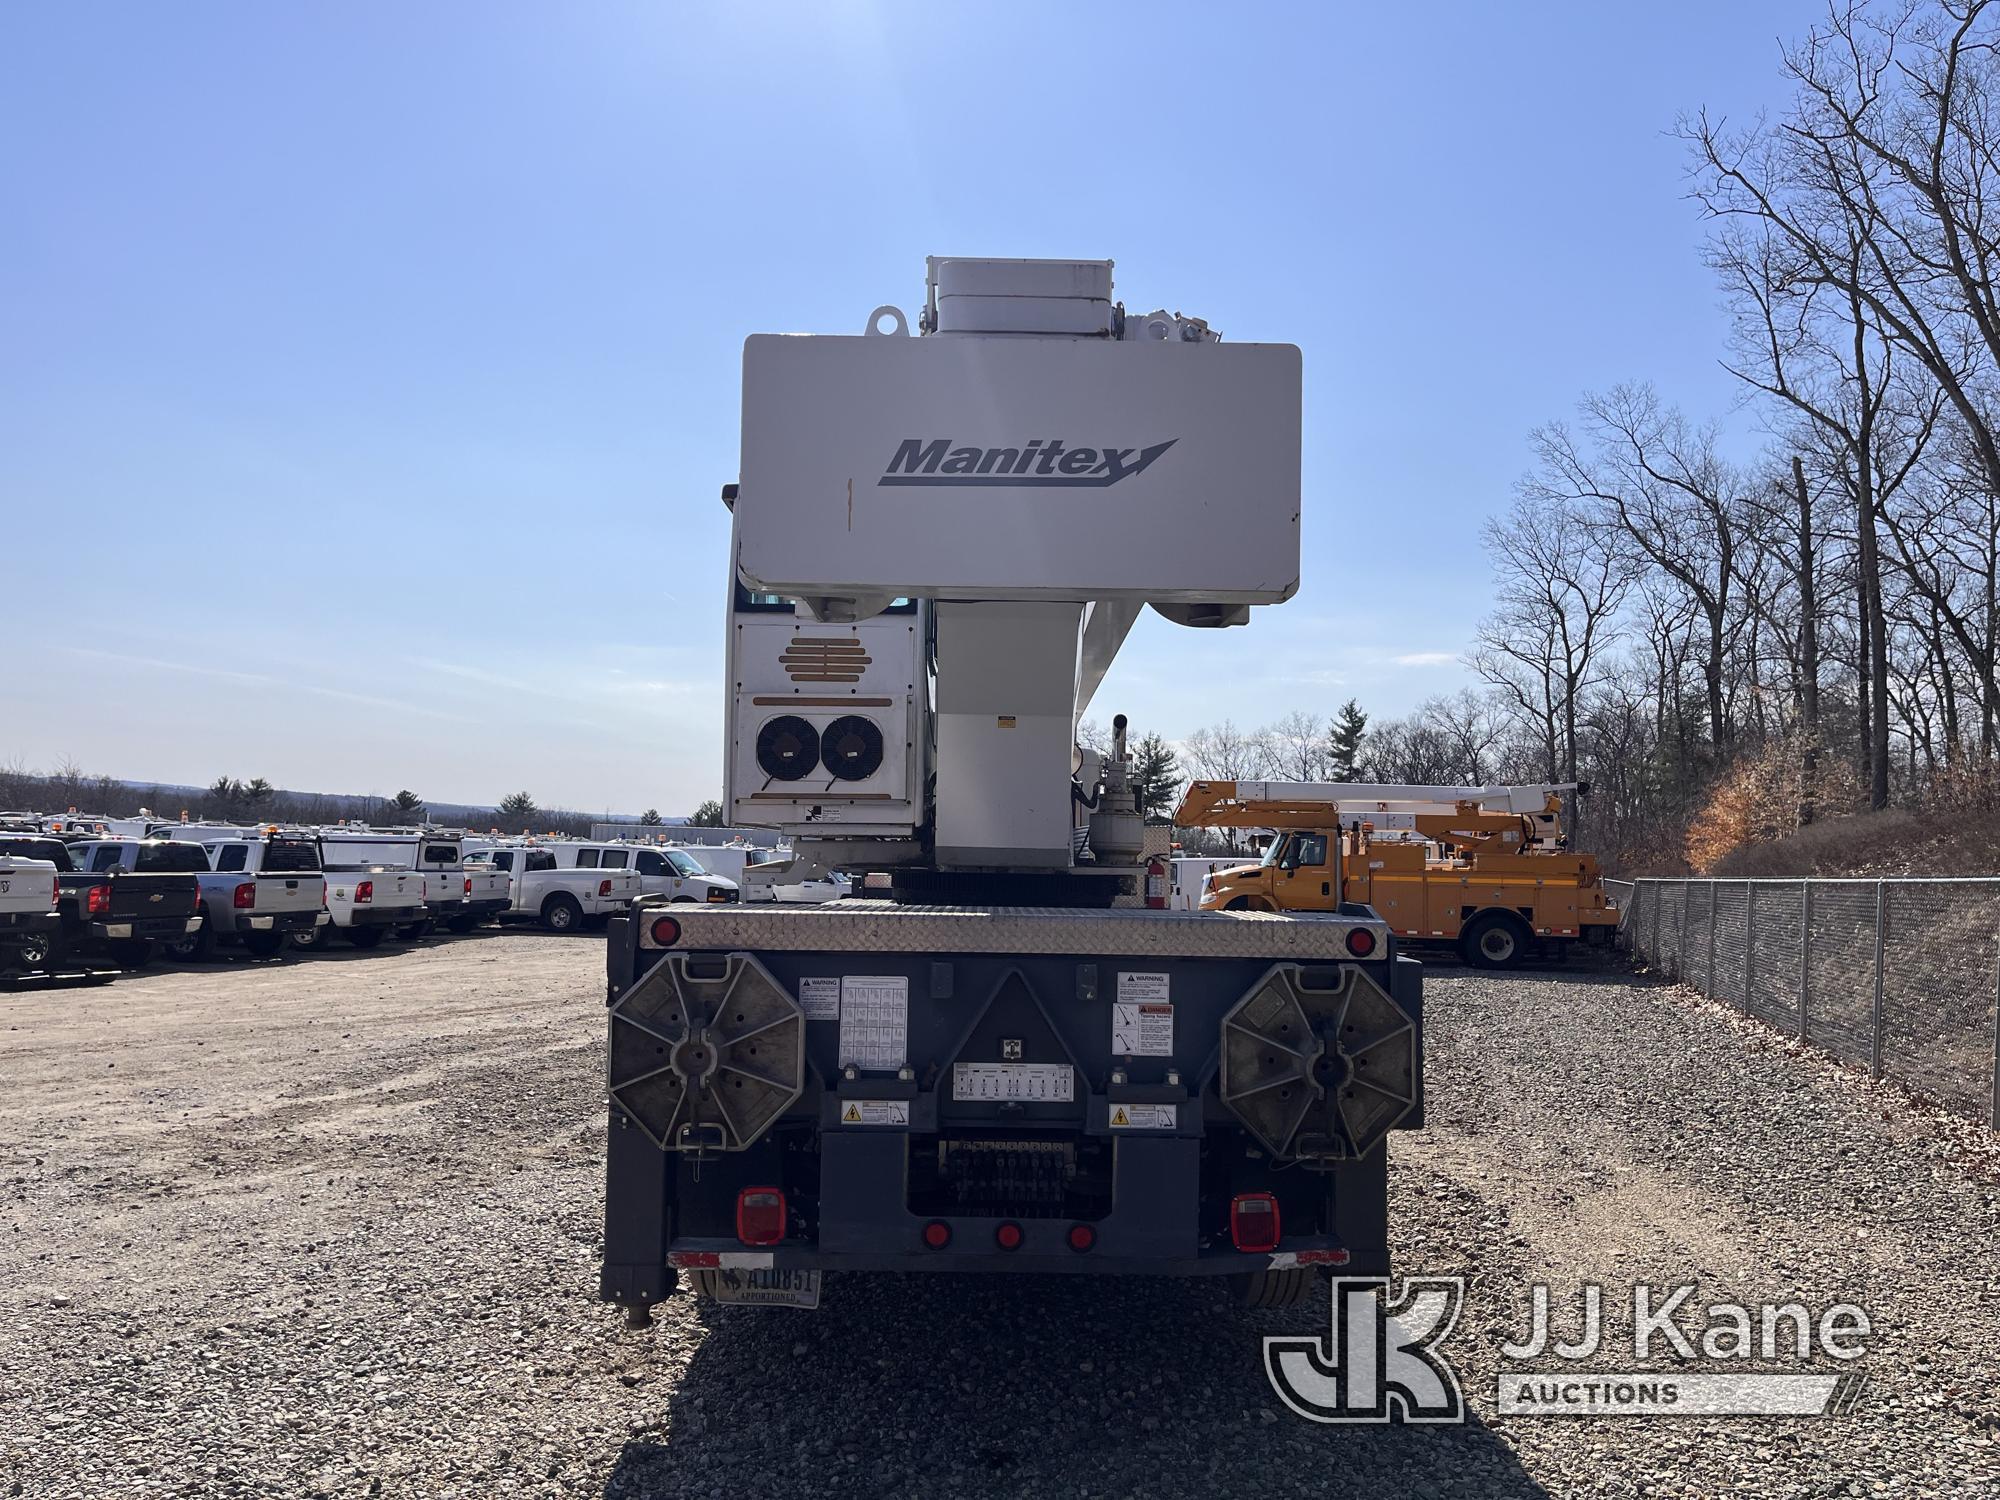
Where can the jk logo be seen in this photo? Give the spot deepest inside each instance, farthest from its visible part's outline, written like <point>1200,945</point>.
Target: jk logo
<point>1380,1358</point>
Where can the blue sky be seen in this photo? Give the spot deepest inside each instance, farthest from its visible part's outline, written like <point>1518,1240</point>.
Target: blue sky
<point>368,372</point>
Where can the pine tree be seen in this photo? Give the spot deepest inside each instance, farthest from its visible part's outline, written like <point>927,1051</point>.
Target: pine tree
<point>708,815</point>
<point>650,818</point>
<point>1156,776</point>
<point>1350,728</point>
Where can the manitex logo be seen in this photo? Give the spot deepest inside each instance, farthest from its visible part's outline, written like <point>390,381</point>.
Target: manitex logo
<point>1381,1358</point>
<point>1045,462</point>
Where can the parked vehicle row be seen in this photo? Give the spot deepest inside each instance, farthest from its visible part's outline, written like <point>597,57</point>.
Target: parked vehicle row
<point>98,900</point>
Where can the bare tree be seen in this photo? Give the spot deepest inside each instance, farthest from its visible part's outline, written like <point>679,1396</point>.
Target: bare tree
<point>1879,188</point>
<point>1650,477</point>
<point>1559,587</point>
<point>1296,747</point>
<point>1222,752</point>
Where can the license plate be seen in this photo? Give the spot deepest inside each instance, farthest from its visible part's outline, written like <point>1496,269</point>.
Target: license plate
<point>1052,1083</point>
<point>769,1287</point>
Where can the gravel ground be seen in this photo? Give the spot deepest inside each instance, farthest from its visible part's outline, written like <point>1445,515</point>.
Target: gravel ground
<point>329,1228</point>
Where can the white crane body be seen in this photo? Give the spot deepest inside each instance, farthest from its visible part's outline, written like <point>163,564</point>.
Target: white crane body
<point>939,545</point>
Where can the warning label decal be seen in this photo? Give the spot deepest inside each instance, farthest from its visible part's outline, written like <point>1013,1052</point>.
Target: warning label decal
<point>874,1021</point>
<point>875,1112</point>
<point>820,999</point>
<point>1145,1116</point>
<point>1142,1030</point>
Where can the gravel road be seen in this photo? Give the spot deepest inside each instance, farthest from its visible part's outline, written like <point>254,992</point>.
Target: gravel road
<point>329,1228</point>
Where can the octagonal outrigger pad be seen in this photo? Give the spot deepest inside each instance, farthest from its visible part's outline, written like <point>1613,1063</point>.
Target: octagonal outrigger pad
<point>1318,1062</point>
<point>706,1061</point>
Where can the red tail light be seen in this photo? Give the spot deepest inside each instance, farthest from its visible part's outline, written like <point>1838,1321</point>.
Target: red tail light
<point>468,885</point>
<point>55,892</point>
<point>603,887</point>
<point>1008,1236</point>
<point>365,891</point>
<point>245,896</point>
<point>937,1234</point>
<point>1253,1222</point>
<point>1360,942</point>
<point>99,901</point>
<point>1081,1237</point>
<point>666,931</point>
<point>760,1215</point>
<point>322,893</point>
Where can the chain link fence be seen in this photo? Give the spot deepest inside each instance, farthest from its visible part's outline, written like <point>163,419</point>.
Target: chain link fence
<point>1902,976</point>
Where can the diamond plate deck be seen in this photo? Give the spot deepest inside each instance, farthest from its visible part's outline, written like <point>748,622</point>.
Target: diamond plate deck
<point>884,927</point>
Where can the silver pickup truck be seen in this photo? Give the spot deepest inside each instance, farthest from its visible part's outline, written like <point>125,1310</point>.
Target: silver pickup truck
<point>263,887</point>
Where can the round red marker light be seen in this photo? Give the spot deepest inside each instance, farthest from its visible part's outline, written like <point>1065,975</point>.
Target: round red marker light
<point>937,1234</point>
<point>1081,1237</point>
<point>1008,1236</point>
<point>1361,942</point>
<point>666,931</point>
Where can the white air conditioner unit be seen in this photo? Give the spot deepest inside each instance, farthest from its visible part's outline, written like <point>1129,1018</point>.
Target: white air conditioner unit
<point>827,722</point>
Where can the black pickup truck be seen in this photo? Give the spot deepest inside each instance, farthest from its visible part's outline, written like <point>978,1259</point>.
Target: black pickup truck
<point>116,916</point>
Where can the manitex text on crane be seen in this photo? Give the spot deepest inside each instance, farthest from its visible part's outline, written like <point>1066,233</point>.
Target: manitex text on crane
<point>1045,462</point>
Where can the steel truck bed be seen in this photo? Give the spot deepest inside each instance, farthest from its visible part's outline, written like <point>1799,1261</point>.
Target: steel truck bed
<point>864,1086</point>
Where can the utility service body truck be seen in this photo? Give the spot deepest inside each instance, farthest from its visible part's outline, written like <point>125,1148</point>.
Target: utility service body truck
<point>1486,869</point>
<point>939,544</point>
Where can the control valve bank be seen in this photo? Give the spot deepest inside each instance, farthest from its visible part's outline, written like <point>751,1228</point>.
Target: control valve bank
<point>1015,1062</point>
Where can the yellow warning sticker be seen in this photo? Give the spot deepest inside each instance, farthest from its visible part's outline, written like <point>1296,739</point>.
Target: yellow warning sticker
<point>875,1112</point>
<point>1145,1117</point>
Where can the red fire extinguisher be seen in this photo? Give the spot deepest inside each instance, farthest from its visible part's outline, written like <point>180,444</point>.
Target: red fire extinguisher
<point>1156,883</point>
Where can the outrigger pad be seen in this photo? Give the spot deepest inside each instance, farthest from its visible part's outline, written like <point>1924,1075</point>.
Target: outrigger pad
<point>1318,1062</point>
<point>707,1051</point>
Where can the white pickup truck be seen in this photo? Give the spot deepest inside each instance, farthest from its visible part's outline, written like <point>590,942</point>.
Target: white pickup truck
<point>263,887</point>
<point>489,895</point>
<point>365,898</point>
<point>563,899</point>
<point>457,898</point>
<point>30,911</point>
<point>673,873</point>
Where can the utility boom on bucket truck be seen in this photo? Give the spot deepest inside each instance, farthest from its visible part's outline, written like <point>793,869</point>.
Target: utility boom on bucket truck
<point>1486,868</point>
<point>939,544</point>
